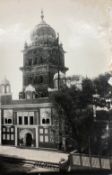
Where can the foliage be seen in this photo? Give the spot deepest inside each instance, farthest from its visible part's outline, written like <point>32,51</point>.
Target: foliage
<point>76,112</point>
<point>87,91</point>
<point>75,106</point>
<point>101,84</point>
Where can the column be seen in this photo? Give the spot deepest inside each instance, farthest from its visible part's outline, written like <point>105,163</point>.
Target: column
<point>16,136</point>
<point>23,119</point>
<point>36,135</point>
<point>28,120</point>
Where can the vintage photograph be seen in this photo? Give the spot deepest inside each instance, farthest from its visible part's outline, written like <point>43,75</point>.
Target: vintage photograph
<point>55,86</point>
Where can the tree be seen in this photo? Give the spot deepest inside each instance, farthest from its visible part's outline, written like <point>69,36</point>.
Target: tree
<point>88,90</point>
<point>76,106</point>
<point>77,114</point>
<point>101,84</point>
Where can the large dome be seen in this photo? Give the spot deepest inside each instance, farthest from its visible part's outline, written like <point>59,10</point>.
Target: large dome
<point>43,33</point>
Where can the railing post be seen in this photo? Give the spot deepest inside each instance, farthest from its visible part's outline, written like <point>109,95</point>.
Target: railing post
<point>90,159</point>
<point>100,162</point>
<point>80,159</point>
<point>63,165</point>
<point>69,162</point>
<point>110,162</point>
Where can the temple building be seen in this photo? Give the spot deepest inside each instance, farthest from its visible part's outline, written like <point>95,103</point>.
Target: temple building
<point>32,120</point>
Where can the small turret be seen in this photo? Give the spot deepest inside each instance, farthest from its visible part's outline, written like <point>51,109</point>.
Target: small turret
<point>5,87</point>
<point>5,91</point>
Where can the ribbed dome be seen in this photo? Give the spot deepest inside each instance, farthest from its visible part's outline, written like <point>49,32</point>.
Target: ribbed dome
<point>43,33</point>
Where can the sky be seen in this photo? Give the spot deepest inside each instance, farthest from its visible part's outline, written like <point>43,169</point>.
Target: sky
<point>84,27</point>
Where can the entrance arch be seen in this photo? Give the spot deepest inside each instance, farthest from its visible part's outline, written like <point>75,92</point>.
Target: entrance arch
<point>28,139</point>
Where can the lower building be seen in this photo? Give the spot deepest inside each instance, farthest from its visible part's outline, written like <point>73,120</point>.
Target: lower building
<point>28,122</point>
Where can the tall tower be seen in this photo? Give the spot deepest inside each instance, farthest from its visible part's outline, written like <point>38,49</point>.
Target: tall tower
<point>42,58</point>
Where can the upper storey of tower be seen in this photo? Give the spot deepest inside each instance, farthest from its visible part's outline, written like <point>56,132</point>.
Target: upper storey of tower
<point>44,47</point>
<point>43,33</point>
<point>42,58</point>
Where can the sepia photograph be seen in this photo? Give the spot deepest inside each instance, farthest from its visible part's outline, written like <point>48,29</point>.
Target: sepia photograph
<point>56,87</point>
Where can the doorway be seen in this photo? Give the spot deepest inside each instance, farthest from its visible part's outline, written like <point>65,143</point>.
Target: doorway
<point>28,139</point>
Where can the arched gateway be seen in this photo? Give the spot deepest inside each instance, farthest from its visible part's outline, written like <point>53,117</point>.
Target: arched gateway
<point>28,139</point>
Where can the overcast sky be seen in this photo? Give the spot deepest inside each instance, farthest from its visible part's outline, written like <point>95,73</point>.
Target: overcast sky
<point>85,28</point>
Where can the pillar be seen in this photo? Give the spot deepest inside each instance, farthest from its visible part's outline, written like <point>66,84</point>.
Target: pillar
<point>16,136</point>
<point>36,135</point>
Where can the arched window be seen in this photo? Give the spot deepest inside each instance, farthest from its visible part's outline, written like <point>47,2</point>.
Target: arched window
<point>25,120</point>
<point>7,89</point>
<point>47,121</point>
<point>20,120</point>
<point>9,121</point>
<point>6,120</point>
<point>31,120</point>
<point>43,121</point>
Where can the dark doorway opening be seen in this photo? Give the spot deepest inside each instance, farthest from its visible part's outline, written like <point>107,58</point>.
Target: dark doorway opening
<point>28,139</point>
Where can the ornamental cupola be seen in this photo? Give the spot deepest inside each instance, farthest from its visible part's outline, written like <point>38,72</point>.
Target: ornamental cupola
<point>5,87</point>
<point>43,33</point>
<point>59,80</point>
<point>5,92</point>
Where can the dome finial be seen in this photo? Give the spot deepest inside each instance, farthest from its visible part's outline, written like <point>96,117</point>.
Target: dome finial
<point>42,14</point>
